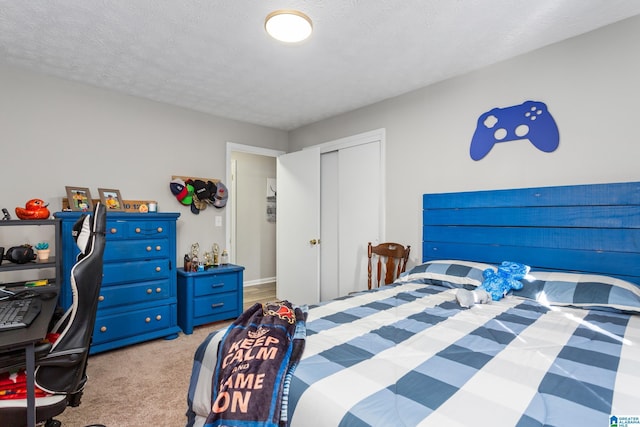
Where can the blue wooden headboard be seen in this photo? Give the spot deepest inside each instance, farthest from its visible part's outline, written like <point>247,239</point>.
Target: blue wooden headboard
<point>583,228</point>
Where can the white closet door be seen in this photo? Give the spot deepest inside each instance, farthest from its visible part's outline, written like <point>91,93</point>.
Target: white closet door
<point>359,193</point>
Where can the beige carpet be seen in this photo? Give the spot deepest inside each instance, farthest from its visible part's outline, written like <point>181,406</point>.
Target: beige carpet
<point>143,384</point>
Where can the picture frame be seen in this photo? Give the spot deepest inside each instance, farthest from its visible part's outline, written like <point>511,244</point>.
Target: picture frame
<point>79,198</point>
<point>111,198</point>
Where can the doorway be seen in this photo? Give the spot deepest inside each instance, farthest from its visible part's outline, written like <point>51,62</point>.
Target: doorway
<point>250,230</point>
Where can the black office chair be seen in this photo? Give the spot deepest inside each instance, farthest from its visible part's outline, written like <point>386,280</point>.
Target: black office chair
<point>62,369</point>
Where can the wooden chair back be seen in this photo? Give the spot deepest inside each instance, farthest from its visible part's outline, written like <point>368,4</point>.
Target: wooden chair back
<point>390,257</point>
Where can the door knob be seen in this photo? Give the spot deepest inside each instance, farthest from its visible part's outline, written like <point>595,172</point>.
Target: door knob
<point>314,242</point>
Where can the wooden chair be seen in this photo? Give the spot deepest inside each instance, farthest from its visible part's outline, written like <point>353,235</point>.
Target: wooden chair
<point>393,256</point>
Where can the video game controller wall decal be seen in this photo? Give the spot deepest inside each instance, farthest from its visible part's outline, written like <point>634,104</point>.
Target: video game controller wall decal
<point>530,120</point>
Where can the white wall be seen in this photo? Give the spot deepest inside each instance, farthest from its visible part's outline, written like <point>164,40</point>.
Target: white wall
<point>55,133</point>
<point>590,84</point>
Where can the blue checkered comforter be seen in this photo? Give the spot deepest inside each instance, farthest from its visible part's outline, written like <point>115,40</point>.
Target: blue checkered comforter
<point>409,355</point>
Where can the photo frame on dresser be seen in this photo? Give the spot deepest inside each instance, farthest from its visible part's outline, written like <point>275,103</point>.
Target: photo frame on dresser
<point>111,199</point>
<point>79,198</point>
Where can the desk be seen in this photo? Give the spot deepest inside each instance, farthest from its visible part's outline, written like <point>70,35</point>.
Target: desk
<point>26,338</point>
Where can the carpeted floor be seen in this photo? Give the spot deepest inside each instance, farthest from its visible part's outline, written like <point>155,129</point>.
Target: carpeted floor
<point>146,384</point>
<point>143,384</point>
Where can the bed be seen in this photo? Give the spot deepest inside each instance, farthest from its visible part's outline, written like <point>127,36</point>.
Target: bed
<point>564,350</point>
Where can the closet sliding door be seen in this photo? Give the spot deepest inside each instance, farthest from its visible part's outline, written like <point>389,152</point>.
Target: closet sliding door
<point>351,216</point>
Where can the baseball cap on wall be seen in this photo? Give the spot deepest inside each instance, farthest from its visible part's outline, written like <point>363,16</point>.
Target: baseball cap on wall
<point>178,188</point>
<point>221,196</point>
<point>201,190</point>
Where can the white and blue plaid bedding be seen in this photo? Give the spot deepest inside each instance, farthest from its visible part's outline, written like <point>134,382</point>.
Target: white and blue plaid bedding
<point>409,355</point>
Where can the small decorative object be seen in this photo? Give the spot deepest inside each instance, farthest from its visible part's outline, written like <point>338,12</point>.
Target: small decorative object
<point>216,253</point>
<point>496,284</point>
<point>79,199</point>
<point>187,262</point>
<point>111,199</point>
<point>224,258</point>
<point>42,248</point>
<point>195,250</point>
<point>208,259</point>
<point>34,209</point>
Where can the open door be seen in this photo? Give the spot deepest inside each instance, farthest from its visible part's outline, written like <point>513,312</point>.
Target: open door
<point>298,227</point>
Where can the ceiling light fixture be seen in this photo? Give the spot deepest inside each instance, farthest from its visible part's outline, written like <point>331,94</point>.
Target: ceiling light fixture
<point>289,26</point>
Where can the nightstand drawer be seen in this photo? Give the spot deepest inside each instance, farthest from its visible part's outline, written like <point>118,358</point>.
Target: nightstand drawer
<point>214,304</point>
<point>215,283</point>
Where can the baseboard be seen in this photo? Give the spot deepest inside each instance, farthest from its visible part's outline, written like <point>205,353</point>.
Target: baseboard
<point>256,282</point>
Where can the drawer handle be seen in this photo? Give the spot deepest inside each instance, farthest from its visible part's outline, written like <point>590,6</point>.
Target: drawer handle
<point>159,229</point>
<point>147,320</point>
<point>217,285</point>
<point>103,329</point>
<point>101,298</point>
<point>216,305</point>
<point>158,290</point>
<point>149,290</point>
<point>158,317</point>
<point>137,229</point>
<point>148,248</point>
<point>158,248</point>
<point>158,269</point>
<point>113,230</point>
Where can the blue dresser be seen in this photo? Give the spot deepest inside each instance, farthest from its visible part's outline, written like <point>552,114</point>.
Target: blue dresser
<point>209,296</point>
<point>138,300</point>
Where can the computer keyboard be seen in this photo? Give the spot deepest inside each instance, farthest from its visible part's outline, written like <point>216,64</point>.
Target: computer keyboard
<point>18,313</point>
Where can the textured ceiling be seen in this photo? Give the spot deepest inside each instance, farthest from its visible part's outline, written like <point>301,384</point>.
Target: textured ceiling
<point>214,56</point>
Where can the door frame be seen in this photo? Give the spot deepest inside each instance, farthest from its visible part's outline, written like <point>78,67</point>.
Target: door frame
<point>230,218</point>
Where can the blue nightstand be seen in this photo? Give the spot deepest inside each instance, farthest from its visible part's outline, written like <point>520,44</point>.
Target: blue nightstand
<point>209,296</point>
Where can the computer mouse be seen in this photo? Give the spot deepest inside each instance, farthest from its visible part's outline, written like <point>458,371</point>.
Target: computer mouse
<point>45,296</point>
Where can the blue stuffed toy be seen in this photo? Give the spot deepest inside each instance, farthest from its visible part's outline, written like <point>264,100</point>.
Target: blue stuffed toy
<point>496,284</point>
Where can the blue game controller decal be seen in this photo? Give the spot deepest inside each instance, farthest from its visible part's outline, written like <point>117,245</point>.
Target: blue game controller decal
<point>530,120</point>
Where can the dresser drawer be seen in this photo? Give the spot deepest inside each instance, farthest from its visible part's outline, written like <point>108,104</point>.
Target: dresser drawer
<point>215,283</point>
<point>214,304</point>
<point>127,229</point>
<point>134,293</point>
<point>126,250</point>
<point>122,325</point>
<point>135,271</point>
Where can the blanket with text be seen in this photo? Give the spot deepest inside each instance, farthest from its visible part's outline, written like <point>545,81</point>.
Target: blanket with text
<point>256,358</point>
